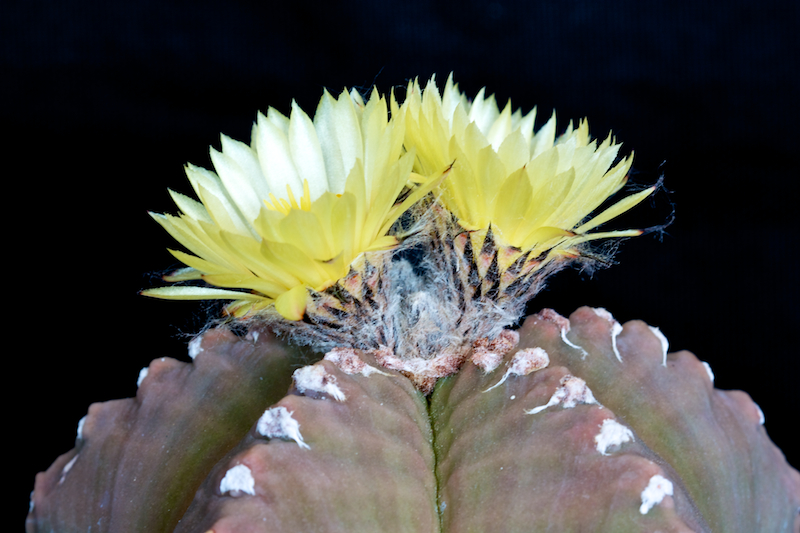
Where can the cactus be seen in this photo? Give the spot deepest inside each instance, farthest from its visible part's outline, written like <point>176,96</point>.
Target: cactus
<point>506,446</point>
<point>413,404</point>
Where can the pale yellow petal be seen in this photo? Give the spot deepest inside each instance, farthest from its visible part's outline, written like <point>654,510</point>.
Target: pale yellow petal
<point>238,168</point>
<point>189,206</point>
<point>275,159</point>
<point>292,304</point>
<point>543,139</point>
<point>238,281</point>
<point>306,152</point>
<point>339,134</point>
<point>183,274</point>
<point>615,210</point>
<point>198,293</point>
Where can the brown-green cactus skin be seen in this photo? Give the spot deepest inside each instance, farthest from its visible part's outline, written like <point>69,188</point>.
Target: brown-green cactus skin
<point>585,425</point>
<point>135,458</point>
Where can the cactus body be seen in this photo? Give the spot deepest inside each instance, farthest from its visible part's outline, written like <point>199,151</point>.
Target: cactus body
<point>585,425</point>
<point>134,459</point>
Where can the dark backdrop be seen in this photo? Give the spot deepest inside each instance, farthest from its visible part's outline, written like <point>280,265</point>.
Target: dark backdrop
<point>105,101</point>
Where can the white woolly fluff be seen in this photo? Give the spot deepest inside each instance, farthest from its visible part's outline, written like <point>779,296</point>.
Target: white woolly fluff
<point>238,479</point>
<point>761,417</point>
<point>524,362</point>
<point>348,361</point>
<point>664,344</point>
<point>277,423</point>
<point>417,310</point>
<point>81,422</point>
<point>195,346</point>
<point>602,312</point>
<point>566,341</point>
<point>654,493</point>
<point>708,371</point>
<point>142,374</point>
<point>612,433</point>
<point>67,468</point>
<point>572,391</point>
<point>315,378</point>
<point>616,328</point>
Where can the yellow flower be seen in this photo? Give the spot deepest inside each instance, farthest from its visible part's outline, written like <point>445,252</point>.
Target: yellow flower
<point>291,211</point>
<point>534,191</point>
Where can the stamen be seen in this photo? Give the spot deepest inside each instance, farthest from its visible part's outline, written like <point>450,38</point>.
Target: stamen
<point>292,200</point>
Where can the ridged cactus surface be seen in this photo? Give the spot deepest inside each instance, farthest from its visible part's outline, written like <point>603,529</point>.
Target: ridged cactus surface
<point>137,461</point>
<point>575,424</point>
<point>360,460</point>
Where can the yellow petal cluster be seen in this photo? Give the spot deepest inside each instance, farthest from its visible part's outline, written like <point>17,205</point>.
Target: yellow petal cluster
<point>534,190</point>
<point>298,208</point>
<point>292,210</point>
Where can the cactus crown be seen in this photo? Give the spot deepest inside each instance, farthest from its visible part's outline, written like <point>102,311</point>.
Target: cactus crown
<point>413,235</point>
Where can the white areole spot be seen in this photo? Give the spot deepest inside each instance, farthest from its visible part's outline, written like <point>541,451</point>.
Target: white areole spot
<point>81,422</point>
<point>315,378</point>
<point>67,468</point>
<point>612,433</point>
<point>486,360</point>
<point>550,315</point>
<point>602,312</point>
<point>708,371</point>
<point>616,328</point>
<point>571,392</point>
<point>277,423</point>
<point>350,363</point>
<point>564,338</point>
<point>761,418</point>
<point>524,362</point>
<point>238,479</point>
<point>656,489</point>
<point>142,374</point>
<point>195,346</point>
<point>488,354</point>
<point>564,326</point>
<point>664,344</point>
<point>252,335</point>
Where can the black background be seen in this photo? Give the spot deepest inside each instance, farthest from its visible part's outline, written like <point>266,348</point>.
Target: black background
<point>103,102</point>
